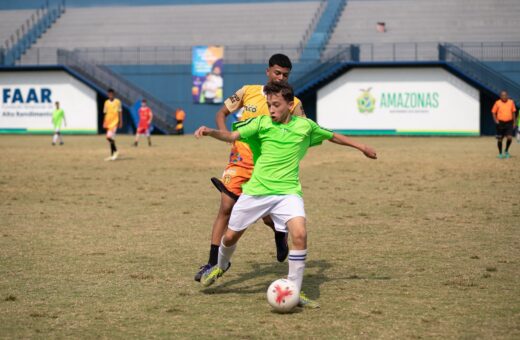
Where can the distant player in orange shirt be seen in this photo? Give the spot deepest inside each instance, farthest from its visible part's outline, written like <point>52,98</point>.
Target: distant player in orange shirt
<point>504,116</point>
<point>180,116</point>
<point>113,119</point>
<point>145,121</point>
<point>253,101</point>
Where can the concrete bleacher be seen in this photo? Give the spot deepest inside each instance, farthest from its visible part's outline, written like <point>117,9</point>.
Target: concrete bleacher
<point>176,25</point>
<point>424,22</point>
<point>11,20</point>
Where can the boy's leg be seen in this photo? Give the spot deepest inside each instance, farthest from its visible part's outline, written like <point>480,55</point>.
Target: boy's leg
<point>136,140</point>
<point>219,227</point>
<point>298,252</point>
<point>246,211</point>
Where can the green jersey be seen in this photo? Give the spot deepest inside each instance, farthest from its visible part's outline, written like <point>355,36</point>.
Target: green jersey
<point>57,117</point>
<point>278,149</point>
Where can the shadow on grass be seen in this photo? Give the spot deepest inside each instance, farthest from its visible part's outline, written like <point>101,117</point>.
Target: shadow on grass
<point>267,273</point>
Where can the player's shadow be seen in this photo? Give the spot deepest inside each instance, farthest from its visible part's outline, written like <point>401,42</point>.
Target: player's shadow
<point>265,273</point>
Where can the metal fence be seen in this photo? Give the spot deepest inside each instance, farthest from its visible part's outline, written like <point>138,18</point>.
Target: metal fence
<point>126,91</point>
<point>258,54</point>
<point>458,58</point>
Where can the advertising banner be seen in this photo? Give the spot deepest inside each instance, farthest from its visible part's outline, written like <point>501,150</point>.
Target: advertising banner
<point>28,101</point>
<point>206,72</point>
<point>399,101</point>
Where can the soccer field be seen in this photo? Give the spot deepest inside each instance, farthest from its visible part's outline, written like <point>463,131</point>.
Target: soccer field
<point>422,243</point>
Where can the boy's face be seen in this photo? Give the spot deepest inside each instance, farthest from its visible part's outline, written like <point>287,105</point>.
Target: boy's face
<point>277,73</point>
<point>111,95</point>
<point>279,108</point>
<point>143,104</point>
<point>503,96</point>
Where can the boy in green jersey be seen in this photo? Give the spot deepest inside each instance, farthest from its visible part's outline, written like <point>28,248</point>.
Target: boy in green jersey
<point>279,142</point>
<point>58,116</point>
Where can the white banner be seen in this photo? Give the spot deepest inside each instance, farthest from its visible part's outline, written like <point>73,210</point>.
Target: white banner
<point>28,99</point>
<point>399,101</point>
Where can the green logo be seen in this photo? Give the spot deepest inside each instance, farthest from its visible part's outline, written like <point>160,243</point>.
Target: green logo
<point>366,102</point>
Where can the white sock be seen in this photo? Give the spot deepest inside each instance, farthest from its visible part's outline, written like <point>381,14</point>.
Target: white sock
<point>54,138</point>
<point>224,255</point>
<point>297,266</point>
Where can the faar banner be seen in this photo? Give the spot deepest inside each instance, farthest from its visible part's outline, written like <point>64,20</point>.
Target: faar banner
<point>206,72</point>
<point>28,100</point>
<point>399,101</point>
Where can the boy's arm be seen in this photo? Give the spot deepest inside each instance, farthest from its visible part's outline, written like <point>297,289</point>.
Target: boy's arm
<point>220,118</point>
<point>151,118</point>
<point>343,140</point>
<point>233,103</point>
<point>225,136</point>
<point>64,119</point>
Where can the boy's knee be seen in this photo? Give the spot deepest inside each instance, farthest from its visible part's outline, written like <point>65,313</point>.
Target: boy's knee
<point>230,238</point>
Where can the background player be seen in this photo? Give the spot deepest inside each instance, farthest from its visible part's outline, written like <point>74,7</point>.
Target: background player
<point>251,99</point>
<point>145,121</point>
<point>274,187</point>
<point>504,115</point>
<point>113,119</point>
<point>58,116</point>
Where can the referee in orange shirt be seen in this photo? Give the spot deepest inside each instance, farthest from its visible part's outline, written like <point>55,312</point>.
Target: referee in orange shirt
<point>504,116</point>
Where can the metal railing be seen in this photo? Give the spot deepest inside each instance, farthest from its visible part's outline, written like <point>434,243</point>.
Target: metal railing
<point>27,34</point>
<point>319,70</point>
<point>428,51</point>
<point>258,54</point>
<point>126,91</point>
<point>472,67</point>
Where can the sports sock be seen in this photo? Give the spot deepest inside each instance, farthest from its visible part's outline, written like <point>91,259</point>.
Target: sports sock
<point>499,143</point>
<point>279,235</point>
<point>112,146</point>
<point>55,138</point>
<point>224,255</point>
<point>508,144</point>
<point>297,266</point>
<point>213,255</point>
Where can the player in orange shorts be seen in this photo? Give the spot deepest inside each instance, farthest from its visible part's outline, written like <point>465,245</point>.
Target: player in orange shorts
<point>145,121</point>
<point>252,100</point>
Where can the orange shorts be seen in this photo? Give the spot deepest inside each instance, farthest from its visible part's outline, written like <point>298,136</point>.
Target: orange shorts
<point>239,169</point>
<point>234,176</point>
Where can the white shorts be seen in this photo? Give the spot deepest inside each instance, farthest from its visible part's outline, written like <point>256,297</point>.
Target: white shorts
<point>249,209</point>
<point>57,130</point>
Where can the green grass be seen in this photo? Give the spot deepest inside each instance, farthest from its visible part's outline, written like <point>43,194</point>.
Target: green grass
<point>422,243</point>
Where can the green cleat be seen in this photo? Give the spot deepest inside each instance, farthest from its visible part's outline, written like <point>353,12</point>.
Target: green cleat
<point>305,302</point>
<point>211,275</point>
<point>507,155</point>
<point>500,156</point>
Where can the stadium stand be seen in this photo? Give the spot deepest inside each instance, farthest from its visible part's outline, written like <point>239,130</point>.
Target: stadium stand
<point>177,25</point>
<point>11,20</point>
<point>424,22</point>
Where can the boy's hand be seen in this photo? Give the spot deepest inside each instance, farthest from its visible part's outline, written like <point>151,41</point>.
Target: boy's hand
<point>369,152</point>
<point>202,131</point>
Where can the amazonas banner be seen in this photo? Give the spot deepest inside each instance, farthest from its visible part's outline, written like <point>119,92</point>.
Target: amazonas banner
<point>399,101</point>
<point>206,72</point>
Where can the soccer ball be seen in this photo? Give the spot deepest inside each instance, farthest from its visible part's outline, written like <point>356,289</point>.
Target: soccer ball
<point>283,295</point>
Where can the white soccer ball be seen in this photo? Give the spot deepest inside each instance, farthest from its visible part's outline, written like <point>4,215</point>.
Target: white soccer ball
<point>283,295</point>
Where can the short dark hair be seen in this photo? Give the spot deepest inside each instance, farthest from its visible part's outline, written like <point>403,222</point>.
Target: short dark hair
<point>282,87</point>
<point>111,90</point>
<point>144,101</point>
<point>281,60</point>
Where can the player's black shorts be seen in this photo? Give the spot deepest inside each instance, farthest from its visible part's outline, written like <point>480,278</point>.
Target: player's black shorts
<point>504,129</point>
